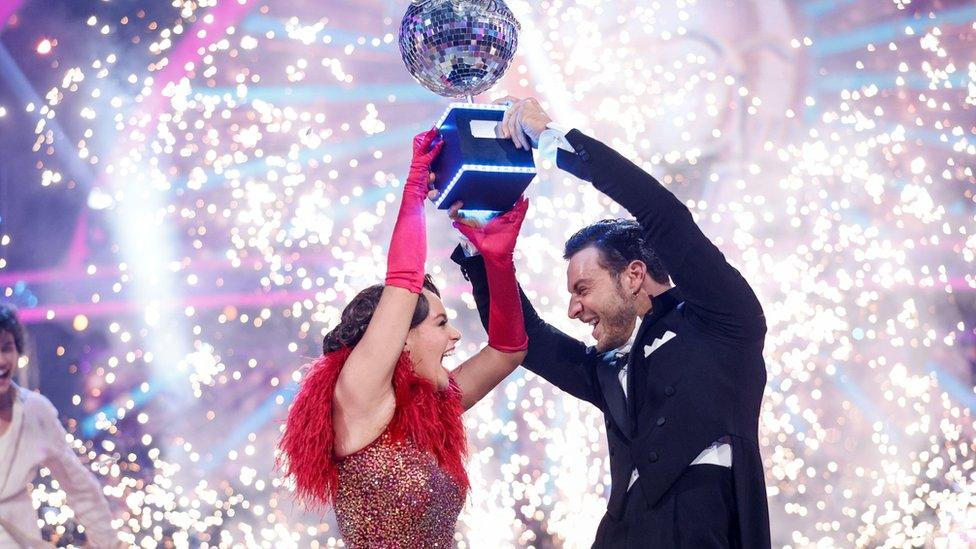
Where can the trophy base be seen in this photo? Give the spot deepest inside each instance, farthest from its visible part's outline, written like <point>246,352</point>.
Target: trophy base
<point>486,173</point>
<point>486,188</point>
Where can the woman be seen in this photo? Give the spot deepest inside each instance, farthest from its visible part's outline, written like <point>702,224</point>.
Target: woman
<point>32,437</point>
<point>375,429</point>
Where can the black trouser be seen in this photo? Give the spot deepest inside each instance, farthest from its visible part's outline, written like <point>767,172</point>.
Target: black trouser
<point>698,511</point>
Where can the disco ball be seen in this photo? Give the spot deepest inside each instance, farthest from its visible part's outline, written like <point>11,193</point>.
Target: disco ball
<point>458,48</point>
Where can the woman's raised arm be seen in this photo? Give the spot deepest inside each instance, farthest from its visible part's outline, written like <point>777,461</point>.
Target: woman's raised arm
<point>365,385</point>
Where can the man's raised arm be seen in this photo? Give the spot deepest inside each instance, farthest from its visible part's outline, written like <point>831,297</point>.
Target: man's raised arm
<point>557,357</point>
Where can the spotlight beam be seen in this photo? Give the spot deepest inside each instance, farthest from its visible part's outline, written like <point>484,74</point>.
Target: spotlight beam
<point>836,82</point>
<point>262,24</point>
<point>21,86</point>
<point>336,151</point>
<point>203,302</point>
<point>819,8</point>
<point>889,31</point>
<point>292,95</point>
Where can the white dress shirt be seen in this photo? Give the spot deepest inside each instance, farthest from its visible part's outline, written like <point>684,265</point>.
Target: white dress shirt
<point>552,139</point>
<point>35,439</point>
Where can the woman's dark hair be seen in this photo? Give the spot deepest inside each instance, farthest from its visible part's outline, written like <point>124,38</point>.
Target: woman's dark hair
<point>620,241</point>
<point>356,316</point>
<point>10,323</point>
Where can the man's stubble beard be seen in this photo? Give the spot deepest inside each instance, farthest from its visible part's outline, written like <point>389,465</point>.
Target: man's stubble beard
<point>619,318</point>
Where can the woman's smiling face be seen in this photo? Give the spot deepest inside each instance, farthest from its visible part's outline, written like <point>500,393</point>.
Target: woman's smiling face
<point>430,341</point>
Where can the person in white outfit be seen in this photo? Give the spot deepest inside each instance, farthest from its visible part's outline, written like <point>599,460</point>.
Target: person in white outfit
<point>32,437</point>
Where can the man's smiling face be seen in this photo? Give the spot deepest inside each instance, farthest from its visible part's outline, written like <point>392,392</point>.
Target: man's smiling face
<point>597,298</point>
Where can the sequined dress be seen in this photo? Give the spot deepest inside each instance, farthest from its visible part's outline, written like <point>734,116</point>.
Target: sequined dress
<point>407,487</point>
<point>392,494</point>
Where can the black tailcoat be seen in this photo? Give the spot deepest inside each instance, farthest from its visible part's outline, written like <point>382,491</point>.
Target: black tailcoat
<point>704,383</point>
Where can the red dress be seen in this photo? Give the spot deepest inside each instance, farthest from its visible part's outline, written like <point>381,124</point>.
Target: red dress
<point>407,487</point>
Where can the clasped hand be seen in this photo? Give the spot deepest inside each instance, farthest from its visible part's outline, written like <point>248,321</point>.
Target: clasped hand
<point>495,239</point>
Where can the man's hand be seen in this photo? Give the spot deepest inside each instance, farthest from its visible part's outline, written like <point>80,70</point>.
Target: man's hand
<point>523,117</point>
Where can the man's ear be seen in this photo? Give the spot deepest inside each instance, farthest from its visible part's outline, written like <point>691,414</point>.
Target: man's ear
<point>636,274</point>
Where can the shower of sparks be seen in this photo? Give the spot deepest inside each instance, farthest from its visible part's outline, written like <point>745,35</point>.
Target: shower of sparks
<point>240,162</point>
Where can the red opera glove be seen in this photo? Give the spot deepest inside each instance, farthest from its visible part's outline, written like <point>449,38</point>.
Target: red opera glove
<point>408,245</point>
<point>496,243</point>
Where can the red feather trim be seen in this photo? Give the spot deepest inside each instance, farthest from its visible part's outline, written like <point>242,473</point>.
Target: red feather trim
<point>431,418</point>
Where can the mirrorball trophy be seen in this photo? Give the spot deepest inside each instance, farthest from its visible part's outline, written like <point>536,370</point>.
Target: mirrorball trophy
<point>460,48</point>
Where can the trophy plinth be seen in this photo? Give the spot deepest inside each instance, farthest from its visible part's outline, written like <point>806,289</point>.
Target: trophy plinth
<point>485,172</point>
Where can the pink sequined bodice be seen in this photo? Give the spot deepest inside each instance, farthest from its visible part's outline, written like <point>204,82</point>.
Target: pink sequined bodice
<point>392,495</point>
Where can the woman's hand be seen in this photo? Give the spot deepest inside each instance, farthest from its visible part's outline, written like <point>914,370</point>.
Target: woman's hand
<point>408,244</point>
<point>426,147</point>
<point>507,338</point>
<point>495,239</point>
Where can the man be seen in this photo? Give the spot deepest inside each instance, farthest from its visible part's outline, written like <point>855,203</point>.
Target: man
<point>682,402</point>
<point>32,437</point>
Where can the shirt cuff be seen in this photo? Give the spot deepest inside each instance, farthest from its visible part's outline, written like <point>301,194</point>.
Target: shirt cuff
<point>467,247</point>
<point>551,140</point>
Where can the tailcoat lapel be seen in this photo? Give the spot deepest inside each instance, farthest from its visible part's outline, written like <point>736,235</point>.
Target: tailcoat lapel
<point>660,306</point>
<point>613,393</point>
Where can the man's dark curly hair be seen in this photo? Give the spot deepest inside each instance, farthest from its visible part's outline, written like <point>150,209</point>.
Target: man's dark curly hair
<point>620,241</point>
<point>356,316</point>
<point>10,323</point>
